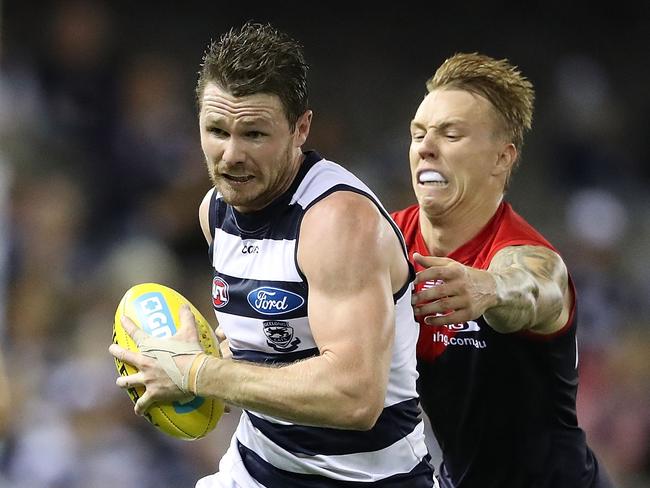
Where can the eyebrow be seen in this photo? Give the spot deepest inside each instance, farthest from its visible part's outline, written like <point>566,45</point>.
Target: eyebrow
<point>446,124</point>
<point>253,120</point>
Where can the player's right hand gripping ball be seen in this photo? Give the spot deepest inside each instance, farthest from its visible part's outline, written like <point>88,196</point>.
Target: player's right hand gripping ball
<point>155,308</point>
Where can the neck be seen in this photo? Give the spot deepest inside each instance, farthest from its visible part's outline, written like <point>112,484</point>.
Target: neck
<point>297,159</point>
<point>445,233</point>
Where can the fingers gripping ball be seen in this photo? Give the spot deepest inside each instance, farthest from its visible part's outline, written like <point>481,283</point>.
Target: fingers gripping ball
<point>156,310</point>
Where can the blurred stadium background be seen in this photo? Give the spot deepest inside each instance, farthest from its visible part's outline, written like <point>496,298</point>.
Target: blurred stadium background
<point>101,175</point>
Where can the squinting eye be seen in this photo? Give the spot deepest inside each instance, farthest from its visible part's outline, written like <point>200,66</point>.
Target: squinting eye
<point>418,136</point>
<point>216,131</point>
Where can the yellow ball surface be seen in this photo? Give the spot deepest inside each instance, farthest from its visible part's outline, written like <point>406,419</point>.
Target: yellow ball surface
<point>155,309</point>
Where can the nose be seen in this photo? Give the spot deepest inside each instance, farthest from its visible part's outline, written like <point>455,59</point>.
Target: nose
<point>428,146</point>
<point>233,151</point>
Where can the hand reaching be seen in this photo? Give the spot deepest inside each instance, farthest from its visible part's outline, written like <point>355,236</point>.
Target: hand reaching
<point>462,293</point>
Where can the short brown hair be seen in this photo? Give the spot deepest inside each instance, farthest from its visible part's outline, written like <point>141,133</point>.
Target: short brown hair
<point>257,58</point>
<point>511,94</point>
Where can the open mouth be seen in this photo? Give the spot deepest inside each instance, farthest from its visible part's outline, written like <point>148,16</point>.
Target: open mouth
<point>238,179</point>
<point>431,178</point>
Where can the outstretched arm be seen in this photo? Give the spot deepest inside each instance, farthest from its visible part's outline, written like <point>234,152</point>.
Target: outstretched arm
<point>525,287</point>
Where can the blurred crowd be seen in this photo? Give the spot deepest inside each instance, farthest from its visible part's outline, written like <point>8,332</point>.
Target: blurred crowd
<point>101,175</point>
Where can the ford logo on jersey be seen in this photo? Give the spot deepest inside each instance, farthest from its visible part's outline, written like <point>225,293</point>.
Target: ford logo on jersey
<point>274,301</point>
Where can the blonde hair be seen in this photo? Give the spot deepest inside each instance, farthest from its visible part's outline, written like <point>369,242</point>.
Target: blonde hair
<point>511,94</point>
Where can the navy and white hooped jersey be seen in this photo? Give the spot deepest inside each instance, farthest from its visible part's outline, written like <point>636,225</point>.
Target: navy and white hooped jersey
<point>260,298</point>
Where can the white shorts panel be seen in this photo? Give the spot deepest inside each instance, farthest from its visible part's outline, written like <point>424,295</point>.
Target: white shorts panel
<point>232,472</point>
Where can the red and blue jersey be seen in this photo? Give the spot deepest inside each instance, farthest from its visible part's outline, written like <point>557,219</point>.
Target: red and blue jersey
<point>502,406</point>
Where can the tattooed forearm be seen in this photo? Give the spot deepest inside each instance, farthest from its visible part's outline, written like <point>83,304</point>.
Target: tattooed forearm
<point>532,286</point>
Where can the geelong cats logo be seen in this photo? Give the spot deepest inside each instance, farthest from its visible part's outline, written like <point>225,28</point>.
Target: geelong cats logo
<point>279,335</point>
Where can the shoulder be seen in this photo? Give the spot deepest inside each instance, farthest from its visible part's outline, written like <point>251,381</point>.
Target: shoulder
<point>348,237</point>
<point>204,215</point>
<point>506,232</point>
<point>345,225</point>
<point>205,202</point>
<point>342,210</point>
<point>347,245</point>
<point>513,227</point>
<point>516,242</point>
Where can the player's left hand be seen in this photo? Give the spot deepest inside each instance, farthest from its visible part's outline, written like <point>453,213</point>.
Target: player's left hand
<point>461,293</point>
<point>163,364</point>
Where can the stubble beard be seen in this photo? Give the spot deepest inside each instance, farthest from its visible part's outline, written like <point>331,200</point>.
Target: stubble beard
<point>237,199</point>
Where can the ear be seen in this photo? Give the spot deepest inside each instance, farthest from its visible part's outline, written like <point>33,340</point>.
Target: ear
<point>303,124</point>
<point>506,159</point>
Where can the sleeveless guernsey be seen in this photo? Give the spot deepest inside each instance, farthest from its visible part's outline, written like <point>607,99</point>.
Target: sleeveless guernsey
<point>502,406</point>
<point>260,298</point>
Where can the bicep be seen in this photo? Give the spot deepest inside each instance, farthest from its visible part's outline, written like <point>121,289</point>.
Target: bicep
<point>351,308</point>
<point>356,327</point>
<point>542,263</point>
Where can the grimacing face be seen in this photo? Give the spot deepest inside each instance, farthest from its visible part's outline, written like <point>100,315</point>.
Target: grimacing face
<point>456,152</point>
<point>251,154</point>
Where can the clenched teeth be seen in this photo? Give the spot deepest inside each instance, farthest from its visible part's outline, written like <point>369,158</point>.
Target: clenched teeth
<point>431,176</point>
<point>239,179</point>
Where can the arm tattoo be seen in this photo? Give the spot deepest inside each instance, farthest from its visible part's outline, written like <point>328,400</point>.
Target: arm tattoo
<point>531,284</point>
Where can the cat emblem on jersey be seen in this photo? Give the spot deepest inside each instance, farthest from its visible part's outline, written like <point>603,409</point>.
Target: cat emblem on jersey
<point>279,335</point>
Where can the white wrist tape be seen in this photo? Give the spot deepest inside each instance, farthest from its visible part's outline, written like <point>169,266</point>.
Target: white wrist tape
<point>164,351</point>
<point>195,370</point>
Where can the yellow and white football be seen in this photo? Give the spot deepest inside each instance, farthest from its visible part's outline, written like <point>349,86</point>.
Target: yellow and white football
<point>155,308</point>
